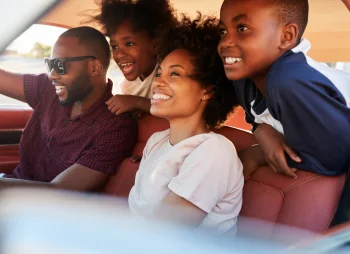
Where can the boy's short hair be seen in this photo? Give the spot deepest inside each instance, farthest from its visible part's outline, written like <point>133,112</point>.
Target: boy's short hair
<point>94,40</point>
<point>293,11</point>
<point>144,15</point>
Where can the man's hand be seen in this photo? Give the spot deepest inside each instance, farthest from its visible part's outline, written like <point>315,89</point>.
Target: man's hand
<point>120,104</point>
<point>274,146</point>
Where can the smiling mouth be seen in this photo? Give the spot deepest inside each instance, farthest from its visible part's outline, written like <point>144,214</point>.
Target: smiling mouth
<point>60,90</point>
<point>232,60</point>
<point>126,67</point>
<point>158,97</point>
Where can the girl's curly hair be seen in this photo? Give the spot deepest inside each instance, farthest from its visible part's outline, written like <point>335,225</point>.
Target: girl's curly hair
<point>200,37</point>
<point>145,15</point>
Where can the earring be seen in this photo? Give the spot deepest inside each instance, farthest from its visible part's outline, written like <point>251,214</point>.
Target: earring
<point>204,97</point>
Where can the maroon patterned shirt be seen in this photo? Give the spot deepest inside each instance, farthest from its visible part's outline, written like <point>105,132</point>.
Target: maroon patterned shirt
<point>52,142</point>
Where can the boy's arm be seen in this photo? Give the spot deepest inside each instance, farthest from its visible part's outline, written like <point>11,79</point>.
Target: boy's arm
<point>252,159</point>
<point>119,104</point>
<point>273,148</point>
<point>11,85</point>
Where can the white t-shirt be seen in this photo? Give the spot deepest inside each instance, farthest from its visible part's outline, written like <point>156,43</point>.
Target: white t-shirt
<point>203,169</point>
<point>138,87</point>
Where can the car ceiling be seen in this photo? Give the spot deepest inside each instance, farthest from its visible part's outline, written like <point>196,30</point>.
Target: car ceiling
<point>328,28</point>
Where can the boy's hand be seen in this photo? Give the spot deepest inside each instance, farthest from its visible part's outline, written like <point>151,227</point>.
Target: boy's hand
<point>274,146</point>
<point>120,104</point>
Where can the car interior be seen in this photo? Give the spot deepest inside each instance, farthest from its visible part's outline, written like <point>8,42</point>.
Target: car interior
<point>309,202</point>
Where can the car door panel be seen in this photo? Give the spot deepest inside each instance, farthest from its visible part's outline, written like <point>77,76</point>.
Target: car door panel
<point>13,121</point>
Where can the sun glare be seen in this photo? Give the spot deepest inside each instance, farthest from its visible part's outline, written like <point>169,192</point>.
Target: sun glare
<point>36,33</point>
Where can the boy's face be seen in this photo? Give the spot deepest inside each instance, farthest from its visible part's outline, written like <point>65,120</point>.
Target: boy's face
<point>133,52</point>
<point>250,38</point>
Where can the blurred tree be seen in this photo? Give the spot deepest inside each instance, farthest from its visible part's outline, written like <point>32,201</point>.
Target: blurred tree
<point>40,50</point>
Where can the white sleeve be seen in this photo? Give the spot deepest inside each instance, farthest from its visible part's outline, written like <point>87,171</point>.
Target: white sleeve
<point>208,173</point>
<point>123,85</point>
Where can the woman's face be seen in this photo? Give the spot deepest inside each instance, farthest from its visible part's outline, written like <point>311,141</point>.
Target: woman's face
<point>175,93</point>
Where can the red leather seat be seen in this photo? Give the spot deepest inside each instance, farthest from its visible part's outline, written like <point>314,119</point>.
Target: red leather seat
<point>9,158</point>
<point>8,163</point>
<point>308,202</point>
<point>121,183</point>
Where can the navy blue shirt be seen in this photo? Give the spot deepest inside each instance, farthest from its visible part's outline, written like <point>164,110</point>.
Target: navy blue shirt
<point>309,103</point>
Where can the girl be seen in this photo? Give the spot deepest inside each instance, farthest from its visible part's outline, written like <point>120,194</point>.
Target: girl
<point>133,28</point>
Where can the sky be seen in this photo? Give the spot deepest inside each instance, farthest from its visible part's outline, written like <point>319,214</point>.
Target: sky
<point>36,33</point>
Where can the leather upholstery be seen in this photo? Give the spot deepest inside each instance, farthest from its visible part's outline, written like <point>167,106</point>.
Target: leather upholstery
<point>308,202</point>
<point>12,119</point>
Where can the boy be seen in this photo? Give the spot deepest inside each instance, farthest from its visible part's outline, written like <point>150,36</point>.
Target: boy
<point>291,100</point>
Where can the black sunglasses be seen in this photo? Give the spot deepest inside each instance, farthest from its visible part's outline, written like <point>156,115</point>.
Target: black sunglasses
<point>58,64</point>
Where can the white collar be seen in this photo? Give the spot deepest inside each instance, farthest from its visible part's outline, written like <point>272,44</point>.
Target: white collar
<point>304,46</point>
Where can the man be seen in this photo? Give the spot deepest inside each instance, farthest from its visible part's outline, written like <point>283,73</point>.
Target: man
<point>71,140</point>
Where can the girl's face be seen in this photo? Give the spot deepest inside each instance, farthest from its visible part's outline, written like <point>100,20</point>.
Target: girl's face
<point>175,93</point>
<point>134,52</point>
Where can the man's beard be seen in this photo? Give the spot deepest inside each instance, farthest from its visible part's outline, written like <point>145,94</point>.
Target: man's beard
<point>78,90</point>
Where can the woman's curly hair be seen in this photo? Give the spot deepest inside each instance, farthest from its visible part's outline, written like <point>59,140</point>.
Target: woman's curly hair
<point>145,15</point>
<point>200,37</point>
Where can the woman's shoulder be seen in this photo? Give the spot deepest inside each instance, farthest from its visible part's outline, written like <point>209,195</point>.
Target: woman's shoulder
<point>218,140</point>
<point>159,136</point>
<point>156,141</point>
<point>211,143</point>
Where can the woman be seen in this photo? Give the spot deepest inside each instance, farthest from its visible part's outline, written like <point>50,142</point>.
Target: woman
<point>189,167</point>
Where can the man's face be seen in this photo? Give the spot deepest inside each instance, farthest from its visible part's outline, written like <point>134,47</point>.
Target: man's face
<point>133,52</point>
<point>250,38</point>
<point>75,84</point>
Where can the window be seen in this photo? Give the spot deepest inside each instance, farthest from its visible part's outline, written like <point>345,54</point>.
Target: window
<point>344,66</point>
<point>26,53</point>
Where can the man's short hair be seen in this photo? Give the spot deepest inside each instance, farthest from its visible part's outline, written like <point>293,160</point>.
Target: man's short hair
<point>94,40</point>
<point>293,11</point>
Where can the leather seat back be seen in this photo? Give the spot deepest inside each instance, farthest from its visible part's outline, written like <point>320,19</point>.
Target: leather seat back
<point>308,202</point>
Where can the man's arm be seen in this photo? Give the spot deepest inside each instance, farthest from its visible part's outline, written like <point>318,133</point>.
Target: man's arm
<point>80,178</point>
<point>11,85</point>
<point>76,177</point>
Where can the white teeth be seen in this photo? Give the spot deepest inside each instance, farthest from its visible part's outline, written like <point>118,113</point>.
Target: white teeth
<point>158,96</point>
<point>125,64</point>
<point>59,88</point>
<point>232,60</point>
